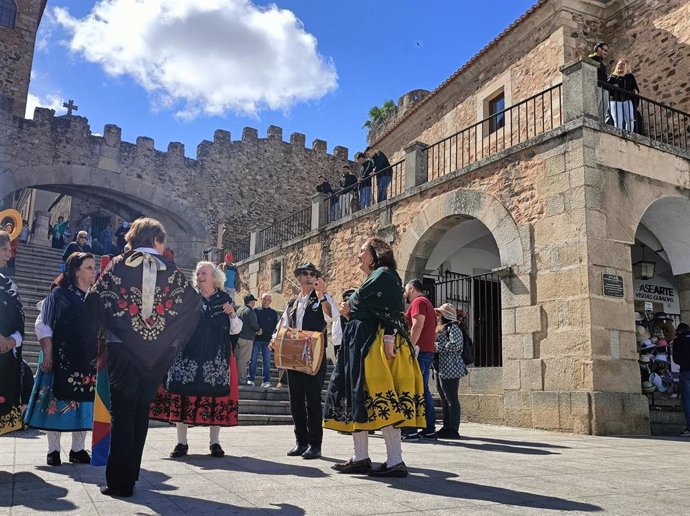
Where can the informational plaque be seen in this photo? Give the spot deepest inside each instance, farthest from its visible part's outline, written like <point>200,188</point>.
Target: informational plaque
<point>613,285</point>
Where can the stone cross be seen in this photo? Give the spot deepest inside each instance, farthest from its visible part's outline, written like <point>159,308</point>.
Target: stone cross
<point>71,106</point>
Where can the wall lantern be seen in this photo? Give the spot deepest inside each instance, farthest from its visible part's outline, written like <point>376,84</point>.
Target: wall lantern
<point>643,269</point>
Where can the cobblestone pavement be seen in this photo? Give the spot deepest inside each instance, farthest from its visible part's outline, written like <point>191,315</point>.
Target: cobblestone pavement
<point>491,470</point>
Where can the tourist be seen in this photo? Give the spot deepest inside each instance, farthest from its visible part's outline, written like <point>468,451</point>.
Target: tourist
<point>348,181</point>
<point>421,319</point>
<point>599,54</point>
<point>57,233</point>
<point>245,342</point>
<point>311,310</point>
<point>681,356</point>
<point>150,311</point>
<point>78,246</point>
<point>64,387</point>
<point>267,318</point>
<point>24,233</point>
<point>231,276</point>
<point>621,97</point>
<point>120,237</point>
<point>11,337</point>
<point>14,247</point>
<point>107,238</point>
<point>449,368</point>
<point>377,384</point>
<point>201,385</point>
<point>366,166</point>
<point>325,188</point>
<point>97,247</point>
<point>381,168</point>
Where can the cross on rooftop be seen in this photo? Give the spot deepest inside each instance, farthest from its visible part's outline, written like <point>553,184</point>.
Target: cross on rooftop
<point>71,106</point>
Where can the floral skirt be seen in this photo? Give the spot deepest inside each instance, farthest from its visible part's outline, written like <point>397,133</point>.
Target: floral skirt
<point>11,421</point>
<point>198,410</point>
<point>46,412</point>
<point>393,392</point>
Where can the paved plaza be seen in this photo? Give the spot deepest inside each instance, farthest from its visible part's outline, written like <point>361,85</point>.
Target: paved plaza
<point>492,470</point>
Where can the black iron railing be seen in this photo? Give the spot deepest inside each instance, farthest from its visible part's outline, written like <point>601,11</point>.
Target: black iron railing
<point>241,251</point>
<point>371,190</point>
<point>286,229</point>
<point>503,129</point>
<point>637,114</point>
<point>479,297</point>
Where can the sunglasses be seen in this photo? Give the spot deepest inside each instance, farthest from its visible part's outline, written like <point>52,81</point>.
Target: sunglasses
<point>309,273</point>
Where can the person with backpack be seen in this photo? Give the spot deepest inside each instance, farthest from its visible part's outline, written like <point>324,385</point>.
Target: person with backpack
<point>450,367</point>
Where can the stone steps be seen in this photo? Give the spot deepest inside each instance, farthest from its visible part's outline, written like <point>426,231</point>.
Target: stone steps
<point>665,415</point>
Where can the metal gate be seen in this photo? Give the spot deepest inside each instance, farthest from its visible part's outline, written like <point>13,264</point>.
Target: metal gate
<point>480,298</point>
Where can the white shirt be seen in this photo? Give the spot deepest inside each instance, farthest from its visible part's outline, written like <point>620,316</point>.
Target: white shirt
<point>301,302</point>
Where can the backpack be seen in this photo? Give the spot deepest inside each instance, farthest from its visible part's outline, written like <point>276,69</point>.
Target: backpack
<point>467,349</point>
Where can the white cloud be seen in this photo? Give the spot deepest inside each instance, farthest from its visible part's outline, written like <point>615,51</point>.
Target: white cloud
<point>47,101</point>
<point>209,57</point>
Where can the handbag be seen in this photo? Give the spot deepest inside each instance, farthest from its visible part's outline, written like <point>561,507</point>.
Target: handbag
<point>298,350</point>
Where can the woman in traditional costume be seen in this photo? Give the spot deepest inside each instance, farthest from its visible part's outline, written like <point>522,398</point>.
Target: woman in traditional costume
<point>377,383</point>
<point>11,335</point>
<point>202,386</point>
<point>62,398</point>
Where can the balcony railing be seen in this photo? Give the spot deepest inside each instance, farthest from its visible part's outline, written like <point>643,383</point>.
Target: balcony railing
<point>242,251</point>
<point>286,229</point>
<point>637,114</point>
<point>503,129</point>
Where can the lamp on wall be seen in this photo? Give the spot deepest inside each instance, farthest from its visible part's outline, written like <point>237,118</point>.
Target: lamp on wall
<point>643,269</point>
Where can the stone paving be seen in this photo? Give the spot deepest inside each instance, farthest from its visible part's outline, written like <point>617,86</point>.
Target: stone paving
<point>491,470</point>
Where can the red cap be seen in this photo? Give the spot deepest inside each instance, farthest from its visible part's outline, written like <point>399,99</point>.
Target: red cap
<point>229,257</point>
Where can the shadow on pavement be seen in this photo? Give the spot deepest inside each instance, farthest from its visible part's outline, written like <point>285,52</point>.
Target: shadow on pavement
<point>438,483</point>
<point>527,444</point>
<point>492,447</point>
<point>31,491</point>
<point>252,464</point>
<point>26,433</point>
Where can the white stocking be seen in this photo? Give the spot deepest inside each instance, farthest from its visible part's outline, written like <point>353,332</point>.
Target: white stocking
<point>361,441</point>
<point>214,435</point>
<point>78,440</point>
<point>53,441</point>
<point>393,446</point>
<point>181,433</point>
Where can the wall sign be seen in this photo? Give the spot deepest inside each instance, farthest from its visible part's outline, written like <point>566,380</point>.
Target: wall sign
<point>612,285</point>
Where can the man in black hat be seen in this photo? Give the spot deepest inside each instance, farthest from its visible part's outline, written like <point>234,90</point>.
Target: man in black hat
<point>311,311</point>
<point>245,342</point>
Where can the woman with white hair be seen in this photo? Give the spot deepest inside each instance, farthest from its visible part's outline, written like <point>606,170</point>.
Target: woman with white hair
<point>201,386</point>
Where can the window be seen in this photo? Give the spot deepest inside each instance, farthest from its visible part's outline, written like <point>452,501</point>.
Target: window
<point>276,274</point>
<point>497,105</point>
<point>8,13</point>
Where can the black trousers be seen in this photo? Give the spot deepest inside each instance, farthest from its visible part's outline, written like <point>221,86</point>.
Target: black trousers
<point>128,429</point>
<point>448,390</point>
<point>305,405</point>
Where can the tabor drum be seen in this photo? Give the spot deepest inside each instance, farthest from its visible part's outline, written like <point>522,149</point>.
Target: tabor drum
<point>298,350</point>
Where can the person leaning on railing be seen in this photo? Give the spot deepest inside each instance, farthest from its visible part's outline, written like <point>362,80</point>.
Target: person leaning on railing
<point>325,188</point>
<point>621,97</point>
<point>348,182</point>
<point>382,170</point>
<point>366,167</point>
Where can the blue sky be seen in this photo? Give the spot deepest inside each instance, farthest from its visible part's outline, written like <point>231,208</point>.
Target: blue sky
<point>334,59</point>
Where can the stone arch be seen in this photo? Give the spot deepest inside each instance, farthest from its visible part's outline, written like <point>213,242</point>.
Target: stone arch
<point>446,211</point>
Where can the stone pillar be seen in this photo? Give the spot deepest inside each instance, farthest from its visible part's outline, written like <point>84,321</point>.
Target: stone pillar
<point>40,236</point>
<point>415,165</point>
<point>581,95</point>
<point>684,296</point>
<point>253,240</point>
<point>319,211</point>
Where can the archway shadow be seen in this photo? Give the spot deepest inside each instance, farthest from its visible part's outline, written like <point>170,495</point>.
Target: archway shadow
<point>502,448</point>
<point>439,483</point>
<point>510,442</point>
<point>250,464</point>
<point>41,496</point>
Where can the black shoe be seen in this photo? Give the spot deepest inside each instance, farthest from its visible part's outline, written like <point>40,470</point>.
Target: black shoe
<point>299,449</point>
<point>397,471</point>
<point>117,493</point>
<point>411,437</point>
<point>313,452</point>
<point>216,450</point>
<point>79,457</point>
<point>53,459</point>
<point>447,434</point>
<point>179,451</point>
<point>359,467</point>
<point>429,436</point>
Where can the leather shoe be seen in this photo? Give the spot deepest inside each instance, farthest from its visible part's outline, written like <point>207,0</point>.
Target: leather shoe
<point>397,471</point>
<point>117,493</point>
<point>53,459</point>
<point>180,450</point>
<point>80,457</point>
<point>299,449</point>
<point>354,467</point>
<point>313,452</point>
<point>216,450</point>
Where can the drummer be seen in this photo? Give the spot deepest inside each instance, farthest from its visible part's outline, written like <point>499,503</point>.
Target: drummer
<point>311,310</point>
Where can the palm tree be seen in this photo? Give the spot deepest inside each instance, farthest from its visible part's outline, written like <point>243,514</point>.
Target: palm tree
<point>378,114</point>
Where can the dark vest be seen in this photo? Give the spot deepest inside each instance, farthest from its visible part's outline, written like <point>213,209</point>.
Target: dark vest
<point>313,315</point>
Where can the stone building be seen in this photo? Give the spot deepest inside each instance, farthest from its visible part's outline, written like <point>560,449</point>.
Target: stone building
<point>244,184</point>
<point>514,200</point>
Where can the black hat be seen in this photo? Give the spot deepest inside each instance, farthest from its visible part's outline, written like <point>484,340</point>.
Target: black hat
<point>360,155</point>
<point>348,293</point>
<point>249,298</point>
<point>307,267</point>
<point>662,316</point>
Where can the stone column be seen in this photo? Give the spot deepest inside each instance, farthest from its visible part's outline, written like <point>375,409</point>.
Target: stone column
<point>253,241</point>
<point>40,236</point>
<point>684,296</point>
<point>319,211</point>
<point>581,95</point>
<point>415,165</point>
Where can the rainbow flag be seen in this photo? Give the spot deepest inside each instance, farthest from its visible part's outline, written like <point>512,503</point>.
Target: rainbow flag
<point>100,443</point>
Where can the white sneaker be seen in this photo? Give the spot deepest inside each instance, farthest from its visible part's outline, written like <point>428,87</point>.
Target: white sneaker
<point>266,385</point>
<point>249,382</point>
<point>686,433</point>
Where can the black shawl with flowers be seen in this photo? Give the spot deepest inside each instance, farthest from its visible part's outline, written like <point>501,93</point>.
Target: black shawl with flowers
<point>148,345</point>
<point>11,321</point>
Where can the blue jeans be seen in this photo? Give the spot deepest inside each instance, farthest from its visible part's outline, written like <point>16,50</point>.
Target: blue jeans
<point>685,395</point>
<point>260,347</point>
<point>426,361</point>
<point>383,181</point>
<point>364,197</point>
<point>335,210</point>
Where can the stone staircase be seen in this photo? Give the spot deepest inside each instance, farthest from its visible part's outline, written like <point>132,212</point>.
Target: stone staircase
<point>665,415</point>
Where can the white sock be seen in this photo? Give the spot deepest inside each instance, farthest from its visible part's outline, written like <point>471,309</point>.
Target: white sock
<point>181,433</point>
<point>361,441</point>
<point>53,441</point>
<point>78,440</point>
<point>214,435</point>
<point>391,436</point>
